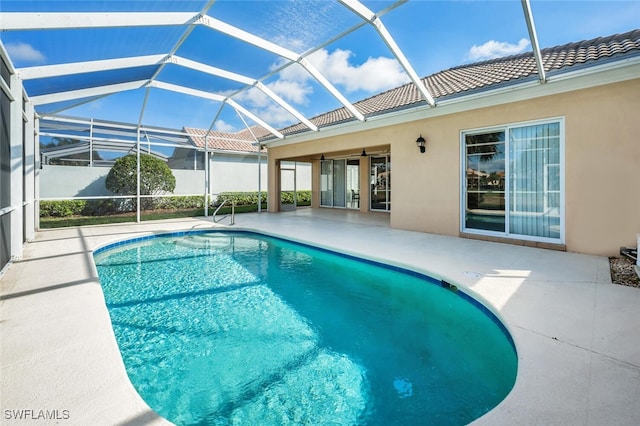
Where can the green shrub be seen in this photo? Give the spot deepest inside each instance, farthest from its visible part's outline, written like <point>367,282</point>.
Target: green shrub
<point>241,198</point>
<point>108,207</point>
<point>251,198</point>
<point>304,198</point>
<point>155,177</point>
<point>286,197</point>
<point>63,208</point>
<point>177,202</point>
<point>104,207</point>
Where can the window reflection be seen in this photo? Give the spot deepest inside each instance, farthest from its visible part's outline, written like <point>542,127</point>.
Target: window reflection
<point>485,175</point>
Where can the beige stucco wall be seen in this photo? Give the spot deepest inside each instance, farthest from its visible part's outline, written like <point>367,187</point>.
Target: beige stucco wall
<point>602,163</point>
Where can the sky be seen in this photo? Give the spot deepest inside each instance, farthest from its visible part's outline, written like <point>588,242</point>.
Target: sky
<point>433,35</point>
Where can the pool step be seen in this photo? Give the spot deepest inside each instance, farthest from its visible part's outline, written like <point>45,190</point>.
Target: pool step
<point>204,241</point>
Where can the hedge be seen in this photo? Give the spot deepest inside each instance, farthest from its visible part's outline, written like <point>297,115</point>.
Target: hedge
<point>62,208</point>
<point>177,202</point>
<point>251,198</point>
<point>68,208</point>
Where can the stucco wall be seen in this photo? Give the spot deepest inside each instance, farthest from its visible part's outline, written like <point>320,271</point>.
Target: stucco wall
<point>602,159</point>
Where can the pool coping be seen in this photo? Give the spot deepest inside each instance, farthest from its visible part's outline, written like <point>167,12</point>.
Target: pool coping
<point>575,332</point>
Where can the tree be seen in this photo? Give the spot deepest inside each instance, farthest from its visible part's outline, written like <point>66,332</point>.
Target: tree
<point>155,177</point>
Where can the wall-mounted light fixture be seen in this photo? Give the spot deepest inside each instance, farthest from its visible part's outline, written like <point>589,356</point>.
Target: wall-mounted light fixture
<point>364,153</point>
<point>421,142</point>
<point>322,157</point>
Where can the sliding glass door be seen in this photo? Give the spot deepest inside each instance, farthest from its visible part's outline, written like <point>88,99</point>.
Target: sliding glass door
<point>339,183</point>
<point>353,184</point>
<point>513,183</point>
<point>326,183</point>
<point>380,179</point>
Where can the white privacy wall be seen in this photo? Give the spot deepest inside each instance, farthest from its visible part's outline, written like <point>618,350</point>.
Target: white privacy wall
<point>237,173</point>
<point>229,173</point>
<point>72,181</point>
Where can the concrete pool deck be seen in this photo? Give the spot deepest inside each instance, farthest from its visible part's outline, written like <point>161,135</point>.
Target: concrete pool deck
<point>577,335</point>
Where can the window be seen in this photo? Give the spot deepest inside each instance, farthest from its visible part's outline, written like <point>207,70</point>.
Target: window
<point>513,181</point>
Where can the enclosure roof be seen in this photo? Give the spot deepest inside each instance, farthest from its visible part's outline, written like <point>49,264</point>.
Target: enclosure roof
<point>490,74</point>
<point>203,49</point>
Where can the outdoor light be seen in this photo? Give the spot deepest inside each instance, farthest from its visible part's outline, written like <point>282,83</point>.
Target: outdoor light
<point>322,157</point>
<point>364,153</point>
<point>421,143</point>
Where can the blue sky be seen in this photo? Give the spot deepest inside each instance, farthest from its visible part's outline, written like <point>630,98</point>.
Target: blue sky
<point>434,35</point>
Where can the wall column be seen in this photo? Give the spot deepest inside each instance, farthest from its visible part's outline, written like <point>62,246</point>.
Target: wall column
<point>273,184</point>
<point>29,173</point>
<point>16,174</point>
<point>365,189</point>
<point>37,163</point>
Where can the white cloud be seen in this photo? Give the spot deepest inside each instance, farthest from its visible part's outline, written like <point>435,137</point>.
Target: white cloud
<point>254,97</point>
<point>374,75</point>
<point>294,72</point>
<point>295,92</point>
<point>261,105</point>
<point>294,82</point>
<point>24,52</point>
<point>221,126</point>
<point>496,49</point>
<point>275,115</point>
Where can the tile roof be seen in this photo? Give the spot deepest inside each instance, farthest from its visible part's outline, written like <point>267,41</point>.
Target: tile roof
<point>472,78</point>
<point>457,81</point>
<point>241,141</point>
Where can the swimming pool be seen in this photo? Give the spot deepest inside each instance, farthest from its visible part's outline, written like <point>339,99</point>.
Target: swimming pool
<point>241,328</point>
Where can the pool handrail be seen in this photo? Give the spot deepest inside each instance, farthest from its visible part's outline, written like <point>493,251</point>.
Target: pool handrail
<point>233,212</point>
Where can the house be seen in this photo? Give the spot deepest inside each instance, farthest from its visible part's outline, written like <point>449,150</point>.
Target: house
<point>555,132</point>
<point>233,160</point>
<point>562,150</point>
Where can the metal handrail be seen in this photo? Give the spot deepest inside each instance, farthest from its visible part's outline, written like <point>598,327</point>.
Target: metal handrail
<point>233,212</point>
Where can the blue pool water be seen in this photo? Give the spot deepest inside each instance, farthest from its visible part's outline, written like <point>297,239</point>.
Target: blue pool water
<point>239,328</point>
